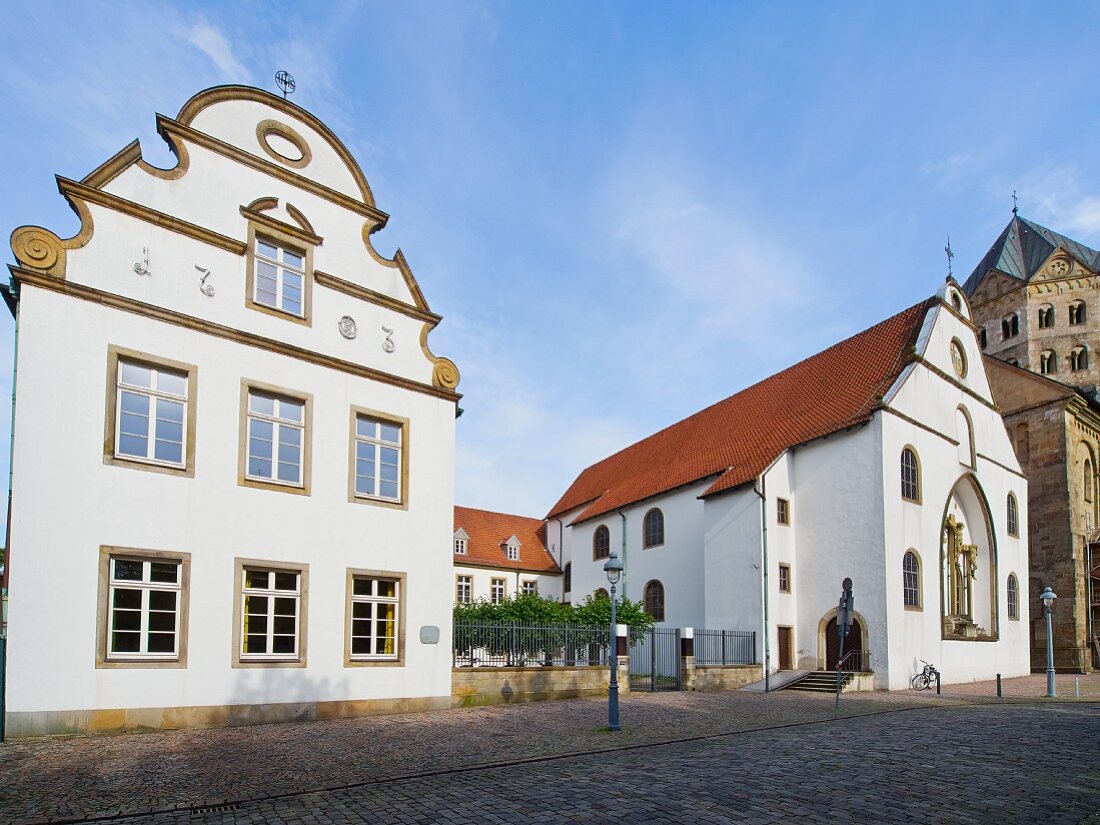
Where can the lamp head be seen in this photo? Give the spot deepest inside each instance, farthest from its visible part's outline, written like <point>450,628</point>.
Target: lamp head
<point>1048,597</point>
<point>613,568</point>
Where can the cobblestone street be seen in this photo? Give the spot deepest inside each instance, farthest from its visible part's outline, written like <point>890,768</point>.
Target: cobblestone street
<point>760,758</point>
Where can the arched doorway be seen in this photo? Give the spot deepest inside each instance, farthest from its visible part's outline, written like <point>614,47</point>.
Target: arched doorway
<point>968,564</point>
<point>828,643</point>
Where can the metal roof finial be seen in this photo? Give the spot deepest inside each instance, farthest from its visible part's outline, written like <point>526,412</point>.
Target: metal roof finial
<point>285,81</point>
<point>950,256</point>
<point>1015,205</point>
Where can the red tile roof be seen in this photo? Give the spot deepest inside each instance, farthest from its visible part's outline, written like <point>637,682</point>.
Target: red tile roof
<point>488,531</point>
<point>736,439</point>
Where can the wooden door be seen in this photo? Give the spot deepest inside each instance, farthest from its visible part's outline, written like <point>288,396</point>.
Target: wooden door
<point>832,645</point>
<point>786,648</point>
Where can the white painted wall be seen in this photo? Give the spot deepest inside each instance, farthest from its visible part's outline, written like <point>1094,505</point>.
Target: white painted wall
<point>67,502</point>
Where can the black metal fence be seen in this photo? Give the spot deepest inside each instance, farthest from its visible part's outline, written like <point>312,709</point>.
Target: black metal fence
<point>725,647</point>
<point>528,645</point>
<point>655,659</point>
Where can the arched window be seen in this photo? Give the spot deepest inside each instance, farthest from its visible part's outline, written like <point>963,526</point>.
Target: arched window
<point>653,528</point>
<point>1088,480</point>
<point>601,542</point>
<point>964,431</point>
<point>1013,597</point>
<point>568,583</point>
<point>1048,362</point>
<point>1079,358</point>
<point>910,475</point>
<point>655,600</point>
<point>982,337</point>
<point>1010,326</point>
<point>1013,516</point>
<point>910,567</point>
<point>1077,312</point>
<point>601,594</point>
<point>956,301</point>
<point>1046,316</point>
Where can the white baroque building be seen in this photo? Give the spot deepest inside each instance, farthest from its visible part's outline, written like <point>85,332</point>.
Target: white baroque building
<point>233,448</point>
<point>883,459</point>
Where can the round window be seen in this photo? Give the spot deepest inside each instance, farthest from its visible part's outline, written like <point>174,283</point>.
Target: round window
<point>283,144</point>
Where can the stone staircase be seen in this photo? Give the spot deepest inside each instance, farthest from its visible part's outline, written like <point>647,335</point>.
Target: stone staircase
<point>820,681</point>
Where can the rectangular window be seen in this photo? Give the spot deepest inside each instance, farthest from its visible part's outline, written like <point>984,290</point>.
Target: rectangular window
<point>512,552</point>
<point>784,578</point>
<point>378,458</point>
<point>142,617</point>
<point>782,511</point>
<point>460,547</point>
<point>279,280</point>
<point>144,608</point>
<point>496,591</point>
<point>530,587</point>
<point>276,435</point>
<point>150,415</point>
<point>464,589</point>
<point>270,613</point>
<point>374,617</point>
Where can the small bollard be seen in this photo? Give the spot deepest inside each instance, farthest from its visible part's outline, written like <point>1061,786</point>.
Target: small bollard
<point>999,686</point>
<point>937,683</point>
<point>1076,687</point>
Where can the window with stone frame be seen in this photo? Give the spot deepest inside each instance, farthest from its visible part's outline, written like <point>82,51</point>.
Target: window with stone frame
<point>1046,316</point>
<point>784,578</point>
<point>910,569</point>
<point>782,511</point>
<point>655,600</point>
<point>1013,515</point>
<point>152,413</point>
<point>270,614</point>
<point>1013,597</point>
<point>1048,362</point>
<point>530,587</point>
<point>910,475</point>
<point>464,589</point>
<point>144,604</point>
<point>1079,358</point>
<point>279,278</point>
<point>653,528</point>
<point>601,543</point>
<point>375,607</point>
<point>1077,312</point>
<point>497,590</point>
<point>276,434</point>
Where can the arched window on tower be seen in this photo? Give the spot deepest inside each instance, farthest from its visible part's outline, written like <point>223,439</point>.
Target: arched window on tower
<point>910,475</point>
<point>1046,316</point>
<point>1013,597</point>
<point>655,600</point>
<point>1077,312</point>
<point>1079,358</point>
<point>601,543</point>
<point>1010,326</point>
<point>653,528</point>
<point>1048,362</point>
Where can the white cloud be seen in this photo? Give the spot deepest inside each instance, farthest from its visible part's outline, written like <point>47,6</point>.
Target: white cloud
<point>209,39</point>
<point>1054,196</point>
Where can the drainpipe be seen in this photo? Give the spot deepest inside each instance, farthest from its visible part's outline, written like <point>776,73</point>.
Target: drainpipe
<point>623,517</point>
<point>763,494</point>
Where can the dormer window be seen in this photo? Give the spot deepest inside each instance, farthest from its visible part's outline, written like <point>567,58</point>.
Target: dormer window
<point>461,541</point>
<point>511,549</point>
<point>1077,312</point>
<point>1010,326</point>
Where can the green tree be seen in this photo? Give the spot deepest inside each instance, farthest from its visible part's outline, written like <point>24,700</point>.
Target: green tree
<point>595,611</point>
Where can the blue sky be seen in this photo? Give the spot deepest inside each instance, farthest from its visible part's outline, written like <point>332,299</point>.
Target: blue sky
<point>624,211</point>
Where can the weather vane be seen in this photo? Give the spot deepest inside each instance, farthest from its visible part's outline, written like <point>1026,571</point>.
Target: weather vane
<point>950,256</point>
<point>1015,205</point>
<point>285,81</point>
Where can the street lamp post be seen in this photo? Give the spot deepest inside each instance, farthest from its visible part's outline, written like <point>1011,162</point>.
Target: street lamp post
<point>1047,599</point>
<point>614,570</point>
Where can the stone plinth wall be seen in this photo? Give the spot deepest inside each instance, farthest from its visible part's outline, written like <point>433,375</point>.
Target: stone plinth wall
<point>472,686</point>
<point>719,677</point>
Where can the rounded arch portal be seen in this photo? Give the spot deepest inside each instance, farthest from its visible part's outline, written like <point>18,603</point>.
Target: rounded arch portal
<point>828,641</point>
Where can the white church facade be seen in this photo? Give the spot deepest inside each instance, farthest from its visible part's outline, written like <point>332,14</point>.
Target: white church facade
<point>883,459</point>
<point>233,455</point>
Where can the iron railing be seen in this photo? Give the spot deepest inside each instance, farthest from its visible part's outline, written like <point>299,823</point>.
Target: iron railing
<point>854,661</point>
<point>519,644</point>
<point>725,647</point>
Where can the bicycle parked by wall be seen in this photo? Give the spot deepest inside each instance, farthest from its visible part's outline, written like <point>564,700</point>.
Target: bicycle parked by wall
<point>927,678</point>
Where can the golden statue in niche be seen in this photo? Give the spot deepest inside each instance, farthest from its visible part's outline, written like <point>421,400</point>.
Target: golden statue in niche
<point>962,565</point>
